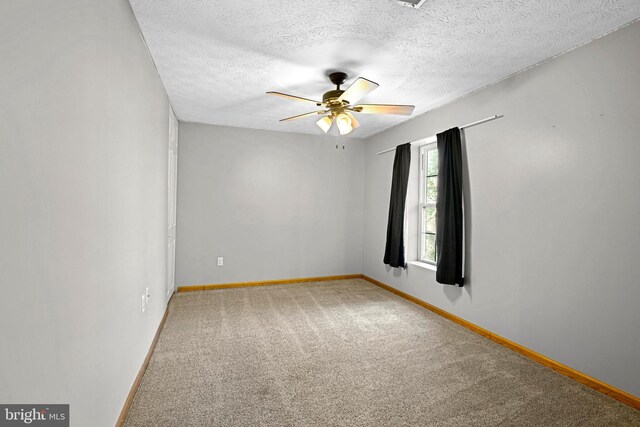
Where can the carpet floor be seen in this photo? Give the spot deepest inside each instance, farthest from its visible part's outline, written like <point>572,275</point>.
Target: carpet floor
<point>345,353</point>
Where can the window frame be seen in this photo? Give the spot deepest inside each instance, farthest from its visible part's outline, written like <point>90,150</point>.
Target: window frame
<point>422,202</point>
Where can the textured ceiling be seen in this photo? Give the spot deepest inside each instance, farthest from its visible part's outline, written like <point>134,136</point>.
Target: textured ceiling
<point>218,58</point>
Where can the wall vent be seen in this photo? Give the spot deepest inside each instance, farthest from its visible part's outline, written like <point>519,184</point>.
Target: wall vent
<point>411,3</point>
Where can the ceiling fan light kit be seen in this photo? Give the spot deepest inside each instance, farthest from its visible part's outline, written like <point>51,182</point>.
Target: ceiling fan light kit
<point>325,123</point>
<point>337,104</point>
<point>344,124</point>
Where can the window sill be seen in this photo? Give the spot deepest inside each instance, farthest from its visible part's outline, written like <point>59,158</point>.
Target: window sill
<point>423,265</point>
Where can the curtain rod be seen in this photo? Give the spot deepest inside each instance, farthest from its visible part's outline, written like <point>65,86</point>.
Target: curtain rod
<point>434,138</point>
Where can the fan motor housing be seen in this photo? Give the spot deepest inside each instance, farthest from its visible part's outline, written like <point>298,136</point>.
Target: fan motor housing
<point>332,94</point>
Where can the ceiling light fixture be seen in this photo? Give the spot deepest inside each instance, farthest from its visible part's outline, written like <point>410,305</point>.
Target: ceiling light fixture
<point>338,105</point>
<point>411,3</point>
<point>325,123</point>
<point>344,124</point>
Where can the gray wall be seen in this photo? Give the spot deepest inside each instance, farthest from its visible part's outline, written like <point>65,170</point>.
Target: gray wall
<point>83,191</point>
<point>553,209</point>
<point>553,206</point>
<point>275,205</point>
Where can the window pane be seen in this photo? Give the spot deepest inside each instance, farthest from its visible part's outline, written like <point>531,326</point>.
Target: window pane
<point>429,247</point>
<point>432,189</point>
<point>430,220</point>
<point>432,162</point>
<point>429,177</point>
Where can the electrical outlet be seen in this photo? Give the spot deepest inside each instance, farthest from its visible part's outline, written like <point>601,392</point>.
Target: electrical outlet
<point>220,261</point>
<point>143,305</point>
<point>147,296</point>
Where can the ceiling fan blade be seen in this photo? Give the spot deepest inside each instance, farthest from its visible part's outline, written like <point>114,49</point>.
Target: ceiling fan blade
<point>295,98</point>
<point>354,123</point>
<point>405,110</point>
<point>358,90</point>
<point>300,116</point>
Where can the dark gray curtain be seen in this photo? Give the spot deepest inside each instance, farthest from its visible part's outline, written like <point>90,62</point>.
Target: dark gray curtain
<point>449,221</point>
<point>394,250</point>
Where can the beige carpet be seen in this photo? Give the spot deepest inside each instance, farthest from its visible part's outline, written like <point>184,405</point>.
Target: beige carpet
<point>345,353</point>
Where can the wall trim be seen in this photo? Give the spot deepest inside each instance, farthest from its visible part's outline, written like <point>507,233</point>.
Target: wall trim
<point>565,370</point>
<point>136,383</point>
<point>266,282</point>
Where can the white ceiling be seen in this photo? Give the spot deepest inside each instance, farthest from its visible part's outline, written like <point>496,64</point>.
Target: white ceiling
<point>217,58</point>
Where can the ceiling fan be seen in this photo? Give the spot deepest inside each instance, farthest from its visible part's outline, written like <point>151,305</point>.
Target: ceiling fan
<point>338,105</point>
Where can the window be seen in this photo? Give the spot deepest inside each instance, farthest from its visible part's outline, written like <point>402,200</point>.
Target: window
<point>427,207</point>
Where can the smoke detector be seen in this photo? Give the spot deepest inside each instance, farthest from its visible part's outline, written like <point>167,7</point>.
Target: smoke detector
<point>411,3</point>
